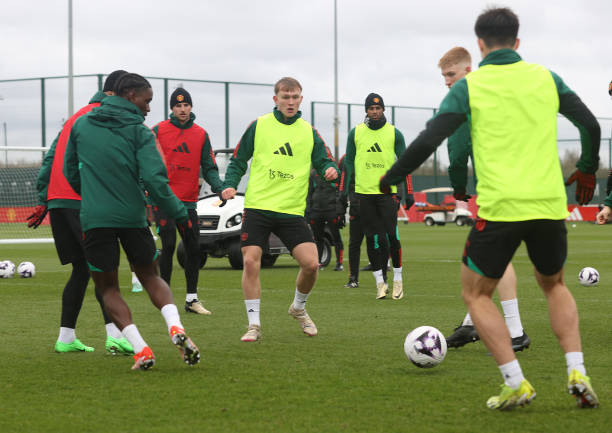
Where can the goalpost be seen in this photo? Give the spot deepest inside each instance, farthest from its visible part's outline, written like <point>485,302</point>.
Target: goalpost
<point>18,195</point>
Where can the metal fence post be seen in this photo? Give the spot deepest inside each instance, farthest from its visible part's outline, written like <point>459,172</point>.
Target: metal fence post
<point>100,83</point>
<point>312,113</point>
<point>165,98</point>
<point>43,119</point>
<point>393,114</point>
<point>227,115</point>
<point>348,117</point>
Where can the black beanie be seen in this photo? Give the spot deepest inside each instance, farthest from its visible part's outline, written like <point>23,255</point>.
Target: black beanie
<point>374,99</point>
<point>180,95</point>
<point>112,78</point>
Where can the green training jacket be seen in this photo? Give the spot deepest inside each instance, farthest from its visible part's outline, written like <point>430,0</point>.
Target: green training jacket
<point>109,150</point>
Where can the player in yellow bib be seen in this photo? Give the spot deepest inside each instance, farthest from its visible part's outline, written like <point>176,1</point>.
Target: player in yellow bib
<point>512,109</point>
<point>282,147</point>
<point>371,149</point>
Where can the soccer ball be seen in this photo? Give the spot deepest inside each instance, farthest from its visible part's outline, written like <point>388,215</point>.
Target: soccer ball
<point>425,346</point>
<point>588,276</point>
<point>26,269</point>
<point>7,269</point>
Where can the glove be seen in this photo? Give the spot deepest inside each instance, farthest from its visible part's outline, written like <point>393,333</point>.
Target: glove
<point>461,196</point>
<point>341,221</point>
<point>38,216</point>
<point>186,229</point>
<point>609,184</point>
<point>409,201</point>
<point>384,187</point>
<point>585,186</point>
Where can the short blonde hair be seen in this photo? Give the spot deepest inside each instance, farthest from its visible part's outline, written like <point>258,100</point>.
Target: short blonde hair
<point>454,56</point>
<point>287,83</point>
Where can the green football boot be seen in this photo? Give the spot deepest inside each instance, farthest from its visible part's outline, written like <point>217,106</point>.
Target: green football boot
<point>118,346</point>
<point>75,346</point>
<point>511,398</point>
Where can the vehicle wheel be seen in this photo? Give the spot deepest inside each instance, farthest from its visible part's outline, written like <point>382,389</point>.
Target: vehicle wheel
<point>327,252</point>
<point>429,221</point>
<point>268,260</point>
<point>460,221</point>
<point>235,254</point>
<point>180,255</point>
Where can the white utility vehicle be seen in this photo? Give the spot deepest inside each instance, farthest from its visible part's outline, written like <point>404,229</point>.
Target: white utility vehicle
<point>446,212</point>
<point>220,223</point>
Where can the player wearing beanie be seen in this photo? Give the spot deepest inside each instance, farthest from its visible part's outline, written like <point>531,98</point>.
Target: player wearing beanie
<point>186,148</point>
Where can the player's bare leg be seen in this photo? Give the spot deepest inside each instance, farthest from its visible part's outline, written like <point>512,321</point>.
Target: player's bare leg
<point>306,256</point>
<point>506,288</point>
<point>251,288</point>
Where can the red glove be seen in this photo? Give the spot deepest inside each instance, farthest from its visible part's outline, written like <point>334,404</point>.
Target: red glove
<point>384,187</point>
<point>461,196</point>
<point>38,216</point>
<point>585,186</point>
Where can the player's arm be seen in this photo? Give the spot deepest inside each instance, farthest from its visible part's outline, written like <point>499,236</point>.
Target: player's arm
<point>153,173</point>
<point>322,159</point>
<point>405,194</point>
<point>453,112</point>
<point>44,175</point>
<point>349,163</point>
<point>572,107</point>
<point>239,162</point>
<point>210,171</point>
<point>459,149</point>
<point>71,160</point>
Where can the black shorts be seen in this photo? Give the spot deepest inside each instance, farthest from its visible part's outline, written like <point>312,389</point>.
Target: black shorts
<point>102,249</point>
<point>256,229</point>
<point>66,229</point>
<point>378,213</point>
<point>491,244</point>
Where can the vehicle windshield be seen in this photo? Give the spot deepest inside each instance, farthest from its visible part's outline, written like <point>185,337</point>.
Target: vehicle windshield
<point>222,157</point>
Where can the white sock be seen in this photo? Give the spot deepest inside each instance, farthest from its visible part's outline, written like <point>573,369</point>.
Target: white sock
<point>512,317</point>
<point>171,316</point>
<point>575,360</point>
<point>135,278</point>
<point>299,300</point>
<point>113,331</point>
<point>66,335</point>
<point>252,309</point>
<point>397,274</point>
<point>191,297</point>
<point>468,320</point>
<point>512,374</point>
<point>133,336</point>
<point>378,276</point>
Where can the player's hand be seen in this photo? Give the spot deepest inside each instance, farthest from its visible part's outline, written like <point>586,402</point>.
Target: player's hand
<point>585,186</point>
<point>38,216</point>
<point>604,215</point>
<point>228,193</point>
<point>609,184</point>
<point>461,196</point>
<point>341,221</point>
<point>384,187</point>
<point>331,174</point>
<point>409,201</point>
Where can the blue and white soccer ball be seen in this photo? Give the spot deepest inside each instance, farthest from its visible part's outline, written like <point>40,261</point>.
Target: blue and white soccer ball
<point>26,269</point>
<point>425,346</point>
<point>7,269</point>
<point>588,276</point>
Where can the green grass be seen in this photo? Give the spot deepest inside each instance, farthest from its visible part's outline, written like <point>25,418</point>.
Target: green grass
<point>353,377</point>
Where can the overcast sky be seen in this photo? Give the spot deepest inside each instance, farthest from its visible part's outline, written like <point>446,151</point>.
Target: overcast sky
<point>389,47</point>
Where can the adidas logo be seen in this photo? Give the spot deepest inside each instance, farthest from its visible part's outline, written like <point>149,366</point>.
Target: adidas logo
<point>181,148</point>
<point>285,149</point>
<point>375,148</point>
<point>575,215</point>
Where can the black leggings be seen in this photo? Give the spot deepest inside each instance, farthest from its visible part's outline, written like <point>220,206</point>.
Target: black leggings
<point>379,220</point>
<point>356,235</point>
<point>167,232</point>
<point>317,222</point>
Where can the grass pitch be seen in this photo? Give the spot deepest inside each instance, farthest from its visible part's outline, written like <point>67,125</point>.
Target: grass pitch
<point>353,377</point>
